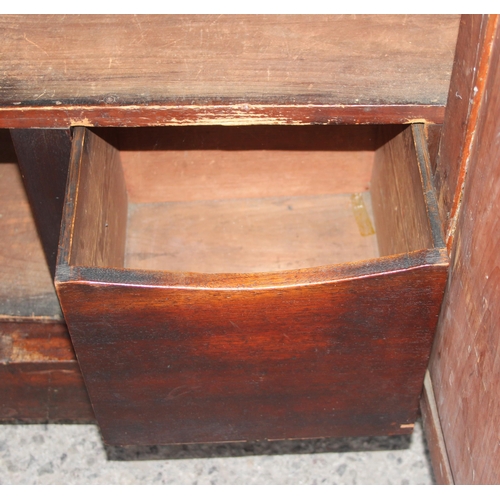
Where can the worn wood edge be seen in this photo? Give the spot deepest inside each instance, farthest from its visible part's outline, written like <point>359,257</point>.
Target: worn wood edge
<point>37,378</point>
<point>469,45</point>
<point>480,78</point>
<point>216,114</point>
<point>4,318</point>
<point>431,205</point>
<point>434,434</point>
<point>433,134</point>
<point>40,378</point>
<point>35,342</point>
<point>434,258</point>
<point>70,199</point>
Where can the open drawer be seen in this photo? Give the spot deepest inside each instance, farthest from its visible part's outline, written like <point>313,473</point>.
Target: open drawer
<point>229,283</point>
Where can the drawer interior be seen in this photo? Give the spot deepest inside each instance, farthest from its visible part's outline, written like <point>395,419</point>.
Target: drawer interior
<point>213,199</point>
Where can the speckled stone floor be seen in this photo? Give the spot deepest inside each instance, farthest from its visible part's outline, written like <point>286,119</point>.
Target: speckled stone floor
<point>74,454</point>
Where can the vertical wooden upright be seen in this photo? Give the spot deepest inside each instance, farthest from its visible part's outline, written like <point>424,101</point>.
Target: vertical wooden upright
<point>465,363</point>
<point>43,158</point>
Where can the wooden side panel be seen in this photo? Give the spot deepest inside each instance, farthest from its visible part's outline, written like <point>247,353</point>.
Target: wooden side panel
<point>467,86</point>
<point>208,163</point>
<point>235,69</point>
<point>100,203</point>
<point>162,176</point>
<point>43,157</point>
<point>400,207</point>
<point>433,139</point>
<point>465,366</point>
<point>244,360</point>
<point>26,287</point>
<point>40,379</point>
<point>434,434</point>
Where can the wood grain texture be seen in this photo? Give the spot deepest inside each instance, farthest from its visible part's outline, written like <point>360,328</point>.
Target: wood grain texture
<point>100,206</point>
<point>434,434</point>
<point>467,85</point>
<point>158,176</point>
<point>465,365</point>
<point>191,69</point>
<point>43,158</point>
<point>249,235</point>
<point>26,288</point>
<point>404,206</point>
<point>40,379</point>
<point>231,357</point>
<point>215,114</point>
<point>210,163</point>
<point>433,139</point>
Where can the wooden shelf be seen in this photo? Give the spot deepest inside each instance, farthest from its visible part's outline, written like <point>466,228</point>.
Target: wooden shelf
<point>164,70</point>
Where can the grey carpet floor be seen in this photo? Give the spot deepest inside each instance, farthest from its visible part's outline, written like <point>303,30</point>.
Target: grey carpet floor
<point>74,454</point>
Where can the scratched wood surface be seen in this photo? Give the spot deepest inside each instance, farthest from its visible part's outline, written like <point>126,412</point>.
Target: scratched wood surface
<point>464,102</point>
<point>40,379</point>
<point>83,70</point>
<point>465,365</point>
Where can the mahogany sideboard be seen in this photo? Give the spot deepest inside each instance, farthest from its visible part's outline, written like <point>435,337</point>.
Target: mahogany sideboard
<point>423,91</point>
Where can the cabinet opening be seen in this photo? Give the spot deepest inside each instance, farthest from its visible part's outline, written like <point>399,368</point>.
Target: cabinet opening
<point>213,199</point>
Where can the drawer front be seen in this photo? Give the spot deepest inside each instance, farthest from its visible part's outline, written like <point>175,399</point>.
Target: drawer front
<point>167,365</point>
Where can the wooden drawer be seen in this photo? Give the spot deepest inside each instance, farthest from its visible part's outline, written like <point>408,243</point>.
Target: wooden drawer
<point>225,283</point>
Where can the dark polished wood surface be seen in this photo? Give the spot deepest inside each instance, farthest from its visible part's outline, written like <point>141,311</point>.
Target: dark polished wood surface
<point>40,379</point>
<point>43,159</point>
